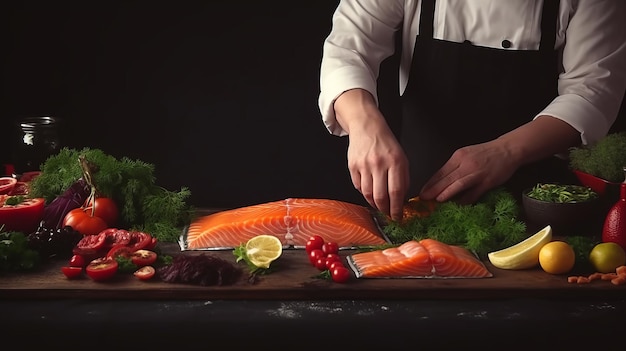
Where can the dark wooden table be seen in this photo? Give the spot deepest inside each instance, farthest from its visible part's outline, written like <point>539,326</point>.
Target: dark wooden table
<point>43,308</point>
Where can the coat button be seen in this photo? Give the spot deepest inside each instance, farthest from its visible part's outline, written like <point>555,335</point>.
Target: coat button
<point>506,44</point>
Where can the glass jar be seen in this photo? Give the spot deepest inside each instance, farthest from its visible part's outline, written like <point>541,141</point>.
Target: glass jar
<point>34,140</point>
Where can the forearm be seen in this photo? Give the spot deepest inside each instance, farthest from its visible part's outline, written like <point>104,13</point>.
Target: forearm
<point>357,111</point>
<point>543,137</point>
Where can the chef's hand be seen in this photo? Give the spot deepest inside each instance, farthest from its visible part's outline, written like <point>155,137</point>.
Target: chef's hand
<point>473,170</point>
<point>469,173</point>
<point>378,166</point>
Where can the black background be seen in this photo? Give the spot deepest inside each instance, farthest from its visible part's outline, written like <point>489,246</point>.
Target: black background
<point>220,96</point>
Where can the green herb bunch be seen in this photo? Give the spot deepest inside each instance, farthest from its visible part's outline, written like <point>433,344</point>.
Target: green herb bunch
<point>605,159</point>
<point>562,193</point>
<point>130,183</point>
<point>15,254</point>
<point>490,224</point>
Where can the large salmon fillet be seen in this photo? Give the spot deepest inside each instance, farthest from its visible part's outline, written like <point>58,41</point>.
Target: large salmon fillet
<point>427,258</point>
<point>293,221</point>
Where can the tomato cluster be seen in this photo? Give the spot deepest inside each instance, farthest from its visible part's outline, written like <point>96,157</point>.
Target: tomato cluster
<point>324,255</point>
<point>99,254</point>
<point>96,215</point>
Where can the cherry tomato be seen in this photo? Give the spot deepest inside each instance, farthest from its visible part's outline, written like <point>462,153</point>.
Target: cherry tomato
<point>77,261</point>
<point>314,242</point>
<point>335,264</point>
<point>139,240</point>
<point>119,250</point>
<point>330,247</point>
<point>145,272</point>
<point>340,274</point>
<point>143,257</point>
<point>330,258</point>
<point>320,263</point>
<point>102,268</point>
<point>104,208</point>
<point>82,221</point>
<point>72,272</point>
<point>22,217</point>
<point>315,254</point>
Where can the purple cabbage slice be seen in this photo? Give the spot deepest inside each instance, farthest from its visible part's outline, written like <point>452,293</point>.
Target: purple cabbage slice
<point>74,197</point>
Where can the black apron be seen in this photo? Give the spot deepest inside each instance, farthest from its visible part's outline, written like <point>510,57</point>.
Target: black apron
<point>459,94</point>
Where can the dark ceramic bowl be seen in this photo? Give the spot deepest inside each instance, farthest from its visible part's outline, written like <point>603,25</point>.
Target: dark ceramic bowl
<point>566,219</point>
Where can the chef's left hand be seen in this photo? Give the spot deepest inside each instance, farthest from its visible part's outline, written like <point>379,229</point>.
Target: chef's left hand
<point>470,172</point>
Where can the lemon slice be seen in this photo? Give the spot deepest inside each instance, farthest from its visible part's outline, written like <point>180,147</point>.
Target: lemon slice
<point>524,254</point>
<point>263,250</point>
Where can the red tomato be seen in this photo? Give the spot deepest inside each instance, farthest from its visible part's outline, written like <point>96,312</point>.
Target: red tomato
<point>92,242</point>
<point>139,240</point>
<point>330,247</point>
<point>330,258</point>
<point>102,268</point>
<point>143,257</point>
<point>340,274</point>
<point>7,184</point>
<point>117,237</point>
<point>153,243</point>
<point>145,272</point>
<point>335,264</point>
<point>315,254</point>
<point>23,217</point>
<point>77,261</point>
<point>120,250</point>
<point>72,272</point>
<point>320,263</point>
<point>81,220</point>
<point>106,209</point>
<point>20,188</point>
<point>314,242</point>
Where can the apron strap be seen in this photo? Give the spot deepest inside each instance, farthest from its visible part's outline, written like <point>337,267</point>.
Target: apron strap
<point>427,18</point>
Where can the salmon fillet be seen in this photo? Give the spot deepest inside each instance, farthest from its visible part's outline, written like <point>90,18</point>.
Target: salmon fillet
<point>293,221</point>
<point>424,258</point>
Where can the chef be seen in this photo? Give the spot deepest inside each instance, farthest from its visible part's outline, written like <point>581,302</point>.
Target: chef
<point>492,92</point>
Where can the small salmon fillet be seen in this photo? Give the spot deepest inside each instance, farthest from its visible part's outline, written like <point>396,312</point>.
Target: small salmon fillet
<point>293,221</point>
<point>424,258</point>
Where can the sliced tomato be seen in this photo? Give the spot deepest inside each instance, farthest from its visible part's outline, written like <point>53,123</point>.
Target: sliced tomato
<point>28,176</point>
<point>140,240</point>
<point>103,268</point>
<point>118,237</point>
<point>145,272</point>
<point>143,257</point>
<point>7,184</point>
<point>23,217</point>
<point>153,244</point>
<point>92,242</point>
<point>20,188</point>
<point>82,221</point>
<point>120,250</point>
<point>72,272</point>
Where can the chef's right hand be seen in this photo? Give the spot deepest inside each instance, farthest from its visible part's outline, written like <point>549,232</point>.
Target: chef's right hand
<point>378,166</point>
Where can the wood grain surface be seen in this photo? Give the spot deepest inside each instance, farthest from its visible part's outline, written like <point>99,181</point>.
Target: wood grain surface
<point>295,278</point>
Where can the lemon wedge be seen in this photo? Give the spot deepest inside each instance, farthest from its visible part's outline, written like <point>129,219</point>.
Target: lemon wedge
<point>262,250</point>
<point>524,254</point>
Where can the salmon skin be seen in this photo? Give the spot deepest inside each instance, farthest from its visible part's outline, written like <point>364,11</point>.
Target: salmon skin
<point>427,258</point>
<point>293,221</point>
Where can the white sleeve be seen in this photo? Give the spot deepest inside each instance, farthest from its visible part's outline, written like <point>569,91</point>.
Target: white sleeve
<point>593,81</point>
<point>362,36</point>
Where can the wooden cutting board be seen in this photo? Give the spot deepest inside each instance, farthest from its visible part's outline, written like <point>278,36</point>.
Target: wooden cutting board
<point>295,278</point>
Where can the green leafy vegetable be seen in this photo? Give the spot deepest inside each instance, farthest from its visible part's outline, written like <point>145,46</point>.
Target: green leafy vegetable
<point>130,183</point>
<point>490,224</point>
<point>559,193</point>
<point>605,159</point>
<point>15,255</point>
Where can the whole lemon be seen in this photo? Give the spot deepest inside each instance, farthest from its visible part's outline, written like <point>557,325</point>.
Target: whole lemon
<point>557,257</point>
<point>606,257</point>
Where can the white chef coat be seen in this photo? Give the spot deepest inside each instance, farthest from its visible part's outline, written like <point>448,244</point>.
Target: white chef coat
<point>591,37</point>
